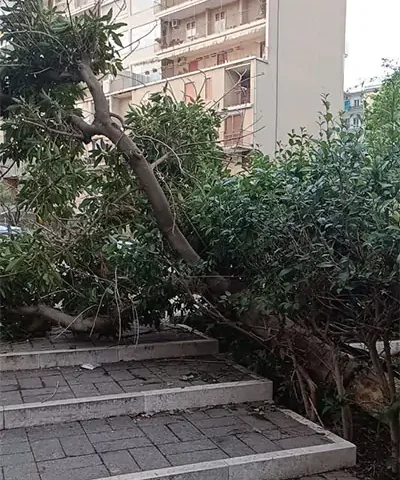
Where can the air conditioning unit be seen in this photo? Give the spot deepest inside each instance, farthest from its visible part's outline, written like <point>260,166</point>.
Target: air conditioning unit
<point>175,23</point>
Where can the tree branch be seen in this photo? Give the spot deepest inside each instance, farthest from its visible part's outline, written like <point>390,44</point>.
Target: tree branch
<point>158,161</point>
<point>138,163</point>
<point>87,130</point>
<point>102,110</point>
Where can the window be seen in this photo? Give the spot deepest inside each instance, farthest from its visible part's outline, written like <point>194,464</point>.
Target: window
<point>193,66</point>
<point>356,122</point>
<point>220,23</point>
<point>262,50</point>
<point>208,89</point>
<point>233,130</point>
<point>190,92</point>
<point>357,102</point>
<point>222,58</point>
<point>190,30</point>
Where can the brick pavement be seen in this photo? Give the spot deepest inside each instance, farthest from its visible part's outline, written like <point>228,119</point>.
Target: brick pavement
<point>74,382</point>
<point>93,449</point>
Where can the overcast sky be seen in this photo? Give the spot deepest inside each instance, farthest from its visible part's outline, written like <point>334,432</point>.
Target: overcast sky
<point>373,33</point>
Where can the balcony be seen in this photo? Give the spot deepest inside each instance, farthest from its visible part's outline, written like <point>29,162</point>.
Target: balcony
<point>168,9</point>
<point>172,47</point>
<point>229,87</point>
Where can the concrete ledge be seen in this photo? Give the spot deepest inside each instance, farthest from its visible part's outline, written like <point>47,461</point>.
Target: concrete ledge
<point>59,411</point>
<point>70,358</point>
<point>279,465</point>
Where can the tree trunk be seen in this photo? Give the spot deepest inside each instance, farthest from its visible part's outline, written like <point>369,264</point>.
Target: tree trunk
<point>37,315</point>
<point>361,383</point>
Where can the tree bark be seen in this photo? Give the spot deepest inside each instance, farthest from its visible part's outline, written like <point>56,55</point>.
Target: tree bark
<point>78,324</point>
<point>361,383</point>
<point>103,124</point>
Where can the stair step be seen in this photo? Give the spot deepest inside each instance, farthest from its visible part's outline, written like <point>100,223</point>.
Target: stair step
<point>66,350</point>
<point>43,396</point>
<point>240,442</point>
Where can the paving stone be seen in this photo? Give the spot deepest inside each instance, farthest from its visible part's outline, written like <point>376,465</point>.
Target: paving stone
<point>185,431</point>
<point>47,398</point>
<point>197,457</point>
<point>9,388</point>
<point>225,431</point>
<point>121,444</point>
<point>259,443</point>
<point>45,392</point>
<point>32,382</point>
<point>159,419</point>
<point>53,381</point>
<point>160,434</point>
<point>10,398</point>
<point>8,376</point>
<point>96,426</point>
<point>18,434</point>
<point>119,462</point>
<point>7,382</point>
<point>256,421</point>
<point>76,445</point>
<point>16,459</point>
<point>299,431</point>
<point>14,446</point>
<point>185,447</point>
<point>298,442</point>
<point>121,375</point>
<point>121,422</point>
<point>115,435</point>
<point>85,390</point>
<point>233,446</point>
<point>192,416</point>
<point>54,431</point>
<point>49,449</point>
<point>149,458</point>
<point>219,412</point>
<point>281,420</point>
<point>27,471</point>
<point>108,388</point>
<point>86,379</point>
<point>85,473</point>
<point>217,422</point>
<point>151,386</point>
<point>66,464</point>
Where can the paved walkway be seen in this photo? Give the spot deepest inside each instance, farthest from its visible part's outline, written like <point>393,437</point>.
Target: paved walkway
<point>100,448</point>
<point>59,339</point>
<point>29,386</point>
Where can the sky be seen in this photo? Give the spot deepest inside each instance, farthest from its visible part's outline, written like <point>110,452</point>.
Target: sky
<point>373,33</point>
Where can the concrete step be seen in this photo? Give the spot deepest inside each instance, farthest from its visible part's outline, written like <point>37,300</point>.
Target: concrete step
<point>62,349</point>
<point>239,442</point>
<point>57,395</point>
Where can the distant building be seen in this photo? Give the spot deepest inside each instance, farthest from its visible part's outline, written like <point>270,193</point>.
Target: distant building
<point>355,102</point>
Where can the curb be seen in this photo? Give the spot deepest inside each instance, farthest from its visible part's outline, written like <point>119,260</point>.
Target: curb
<point>279,465</point>
<point>69,358</point>
<point>153,401</point>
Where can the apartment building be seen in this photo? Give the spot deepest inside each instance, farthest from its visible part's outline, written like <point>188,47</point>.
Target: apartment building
<point>263,63</point>
<point>355,101</point>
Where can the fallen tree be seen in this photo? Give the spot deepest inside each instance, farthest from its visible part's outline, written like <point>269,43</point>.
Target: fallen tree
<point>307,244</point>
